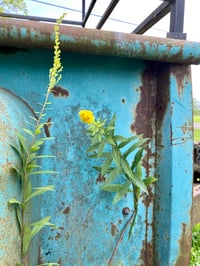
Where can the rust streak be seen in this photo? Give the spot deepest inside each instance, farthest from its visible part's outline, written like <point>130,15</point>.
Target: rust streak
<point>181,73</point>
<point>59,91</point>
<point>184,246</point>
<point>66,210</point>
<point>47,125</point>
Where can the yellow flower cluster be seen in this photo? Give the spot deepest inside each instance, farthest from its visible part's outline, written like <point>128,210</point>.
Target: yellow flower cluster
<point>86,116</point>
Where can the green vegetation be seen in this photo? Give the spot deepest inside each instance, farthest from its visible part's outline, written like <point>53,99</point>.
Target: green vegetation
<point>8,6</point>
<point>197,135</point>
<point>195,250</point>
<point>120,160</point>
<point>196,118</point>
<point>28,151</point>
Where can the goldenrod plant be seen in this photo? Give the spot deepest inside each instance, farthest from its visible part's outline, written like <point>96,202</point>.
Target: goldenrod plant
<point>28,150</point>
<point>115,152</point>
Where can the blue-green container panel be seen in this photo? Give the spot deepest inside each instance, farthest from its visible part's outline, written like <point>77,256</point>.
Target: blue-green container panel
<point>148,97</point>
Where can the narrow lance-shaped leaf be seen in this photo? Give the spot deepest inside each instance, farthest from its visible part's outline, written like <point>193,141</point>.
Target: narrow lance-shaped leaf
<point>42,172</point>
<point>101,148</point>
<point>106,165</point>
<point>130,175</point>
<point>37,226</point>
<point>149,180</point>
<point>109,139</point>
<point>112,125</point>
<point>128,140</point>
<point>113,175</point>
<point>116,155</point>
<point>137,158</point>
<point>122,192</point>
<point>38,191</point>
<point>27,236</point>
<point>134,146</point>
<point>28,131</point>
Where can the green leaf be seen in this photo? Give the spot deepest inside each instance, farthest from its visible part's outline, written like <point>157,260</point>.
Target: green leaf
<point>137,158</point>
<point>116,155</point>
<point>36,145</point>
<point>110,139</point>
<point>111,125</point>
<point>43,172</point>
<point>131,177</point>
<point>113,175</point>
<point>111,187</point>
<point>127,141</point>
<point>132,223</point>
<point>122,192</point>
<point>38,191</point>
<point>37,226</point>
<point>93,148</point>
<point>28,188</point>
<point>106,165</point>
<point>49,264</point>
<point>149,180</point>
<point>16,150</point>
<point>134,146</point>
<point>23,144</point>
<point>16,171</point>
<point>14,201</point>
<point>27,236</point>
<point>101,148</point>
<point>28,131</point>
<point>18,212</point>
<point>32,166</point>
<point>138,170</point>
<point>119,138</point>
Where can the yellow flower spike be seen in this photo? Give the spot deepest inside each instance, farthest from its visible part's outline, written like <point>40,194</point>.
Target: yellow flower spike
<point>86,116</point>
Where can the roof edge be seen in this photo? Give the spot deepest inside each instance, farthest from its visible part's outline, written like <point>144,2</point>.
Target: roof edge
<point>31,34</point>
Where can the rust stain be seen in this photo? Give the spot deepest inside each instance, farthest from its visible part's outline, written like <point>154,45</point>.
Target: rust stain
<point>58,236</point>
<point>146,254</point>
<point>47,125</point>
<point>66,210</point>
<point>184,246</point>
<point>100,178</point>
<point>181,73</point>
<point>114,229</point>
<point>145,112</point>
<point>59,91</point>
<point>147,200</point>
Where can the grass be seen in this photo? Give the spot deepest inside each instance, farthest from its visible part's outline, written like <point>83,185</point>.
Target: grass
<point>196,118</point>
<point>197,135</point>
<point>195,250</point>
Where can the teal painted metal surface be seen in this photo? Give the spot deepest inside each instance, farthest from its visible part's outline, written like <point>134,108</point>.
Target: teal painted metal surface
<point>150,98</point>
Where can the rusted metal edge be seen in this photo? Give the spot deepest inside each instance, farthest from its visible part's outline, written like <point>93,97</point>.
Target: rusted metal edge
<point>32,34</point>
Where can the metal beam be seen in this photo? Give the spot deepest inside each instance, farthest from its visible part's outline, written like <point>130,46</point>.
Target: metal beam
<point>153,18</point>
<point>35,18</point>
<point>91,6</point>
<point>107,13</point>
<point>177,8</point>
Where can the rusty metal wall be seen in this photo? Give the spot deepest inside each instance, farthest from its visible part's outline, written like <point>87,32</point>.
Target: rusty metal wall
<point>152,98</point>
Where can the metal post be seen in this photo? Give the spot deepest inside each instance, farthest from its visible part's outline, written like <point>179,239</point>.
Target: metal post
<point>177,19</point>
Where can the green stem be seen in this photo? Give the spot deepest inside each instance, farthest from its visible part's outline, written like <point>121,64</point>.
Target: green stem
<point>130,221</point>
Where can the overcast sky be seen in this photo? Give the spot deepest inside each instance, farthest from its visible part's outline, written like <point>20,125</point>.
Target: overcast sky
<point>131,11</point>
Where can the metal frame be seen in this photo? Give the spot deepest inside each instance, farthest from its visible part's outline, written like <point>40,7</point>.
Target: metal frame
<point>175,7</point>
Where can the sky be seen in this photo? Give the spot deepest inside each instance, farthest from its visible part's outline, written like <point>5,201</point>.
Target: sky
<point>131,11</point>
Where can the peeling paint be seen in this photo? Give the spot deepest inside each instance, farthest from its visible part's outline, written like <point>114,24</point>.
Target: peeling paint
<point>183,257</point>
